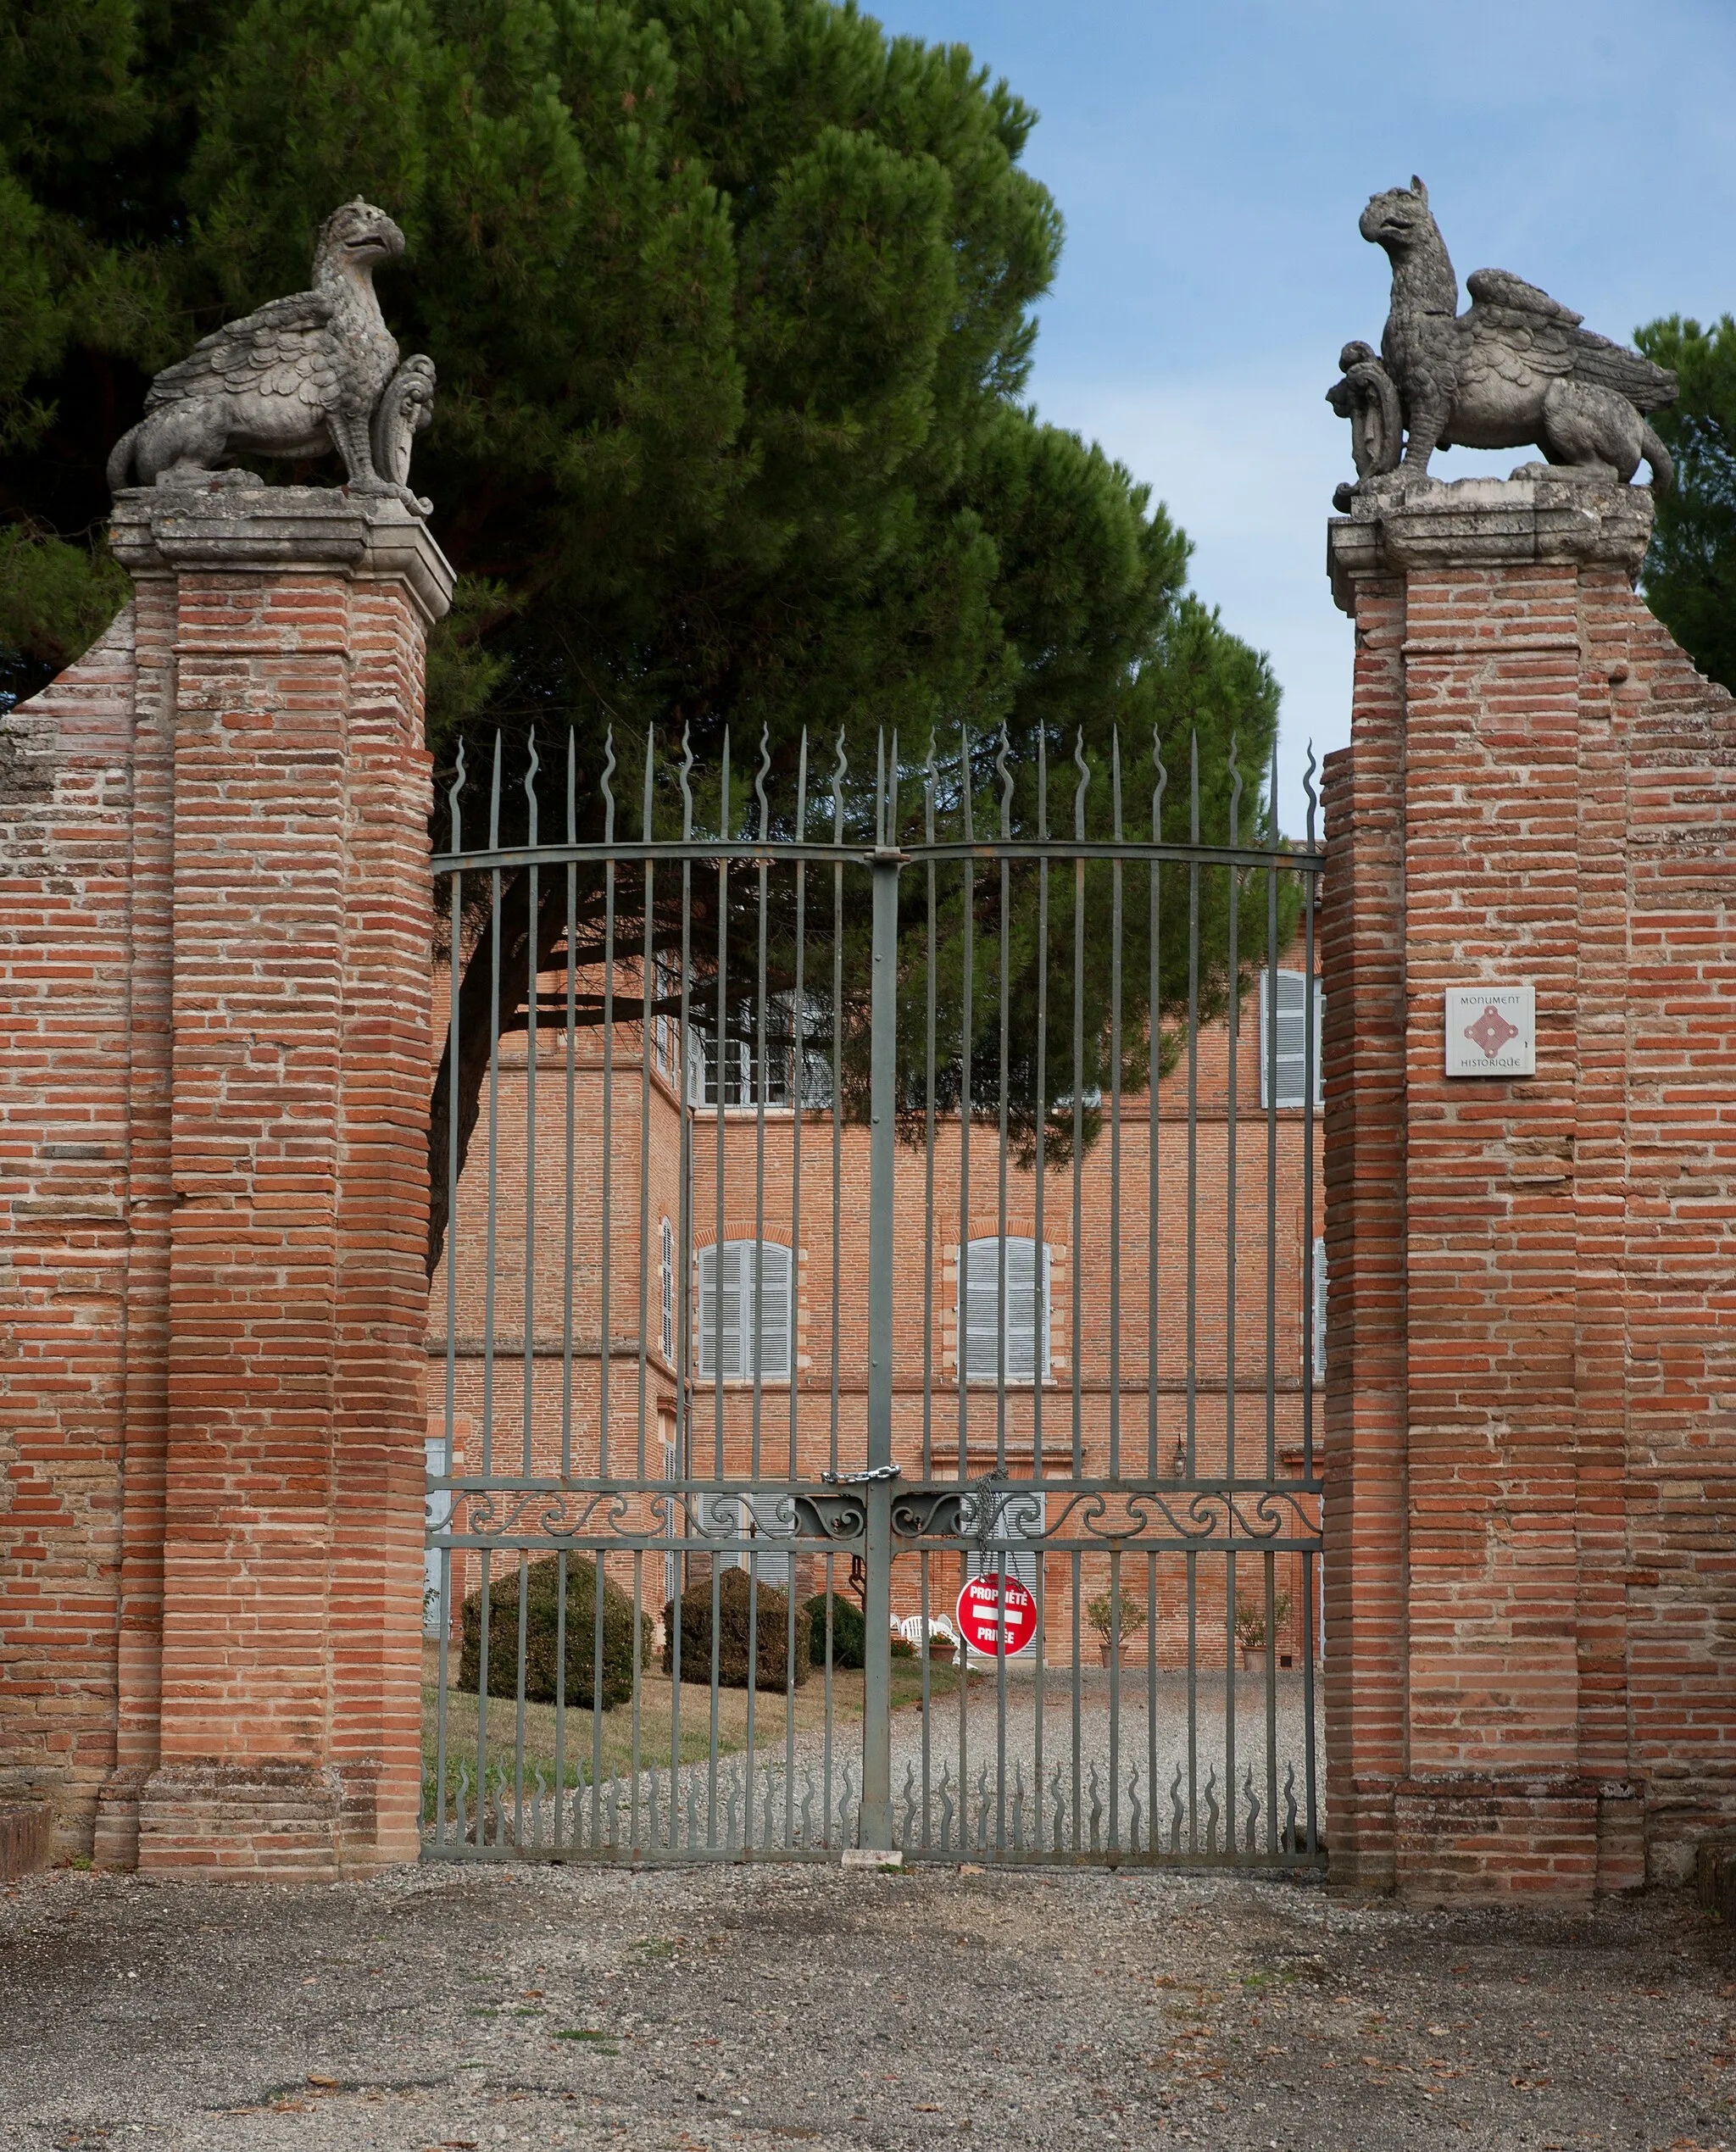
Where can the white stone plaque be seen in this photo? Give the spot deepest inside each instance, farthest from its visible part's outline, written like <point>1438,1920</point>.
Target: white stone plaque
<point>1491,1030</point>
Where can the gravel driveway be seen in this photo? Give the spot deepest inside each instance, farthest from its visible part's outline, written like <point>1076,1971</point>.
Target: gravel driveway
<point>761,2007</point>
<point>1058,1772</point>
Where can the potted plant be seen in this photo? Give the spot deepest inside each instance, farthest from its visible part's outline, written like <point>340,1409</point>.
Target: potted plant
<point>1100,1612</point>
<point>1250,1627</point>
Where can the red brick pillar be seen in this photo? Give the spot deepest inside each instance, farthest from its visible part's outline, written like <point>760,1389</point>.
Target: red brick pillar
<point>1484,1478</point>
<point>272,1496</point>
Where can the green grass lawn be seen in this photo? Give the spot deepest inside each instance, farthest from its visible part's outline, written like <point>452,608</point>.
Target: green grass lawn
<point>607,1738</point>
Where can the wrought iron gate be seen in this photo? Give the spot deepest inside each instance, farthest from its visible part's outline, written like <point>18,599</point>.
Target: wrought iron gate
<point>879,1191</point>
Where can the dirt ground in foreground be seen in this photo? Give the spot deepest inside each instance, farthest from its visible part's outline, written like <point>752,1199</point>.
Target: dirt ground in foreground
<point>673,2010</point>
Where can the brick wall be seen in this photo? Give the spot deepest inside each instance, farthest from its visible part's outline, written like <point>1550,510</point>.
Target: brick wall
<point>211,1419</point>
<point>1530,1431</point>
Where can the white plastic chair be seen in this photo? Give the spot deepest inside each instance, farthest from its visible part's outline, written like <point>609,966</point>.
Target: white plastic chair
<point>921,1634</point>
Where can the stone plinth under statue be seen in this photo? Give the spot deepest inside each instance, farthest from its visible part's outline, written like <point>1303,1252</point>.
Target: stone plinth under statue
<point>1531,1345</point>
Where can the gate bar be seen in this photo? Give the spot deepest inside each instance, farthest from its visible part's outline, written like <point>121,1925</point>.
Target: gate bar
<point>876,1827</point>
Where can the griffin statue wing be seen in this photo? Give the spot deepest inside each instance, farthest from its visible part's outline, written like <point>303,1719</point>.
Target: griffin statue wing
<point>286,348</point>
<point>1516,331</point>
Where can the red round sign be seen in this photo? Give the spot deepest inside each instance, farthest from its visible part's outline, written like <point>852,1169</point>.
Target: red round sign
<point>990,1607</point>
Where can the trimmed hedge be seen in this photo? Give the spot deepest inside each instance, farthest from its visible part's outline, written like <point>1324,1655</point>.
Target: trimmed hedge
<point>849,1634</point>
<point>542,1610</point>
<point>849,1631</point>
<point>771,1634</point>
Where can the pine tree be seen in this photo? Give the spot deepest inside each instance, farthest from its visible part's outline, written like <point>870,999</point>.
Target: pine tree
<point>731,302</point>
<point>1690,570</point>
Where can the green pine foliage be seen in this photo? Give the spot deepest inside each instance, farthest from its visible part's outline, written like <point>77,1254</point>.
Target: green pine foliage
<point>732,306</point>
<point>1690,570</point>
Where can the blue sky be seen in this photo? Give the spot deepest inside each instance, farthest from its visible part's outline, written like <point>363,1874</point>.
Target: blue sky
<point>1211,159</point>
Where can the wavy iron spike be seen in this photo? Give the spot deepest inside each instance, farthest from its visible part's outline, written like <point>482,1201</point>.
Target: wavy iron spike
<point>1160,785</point>
<point>1193,788</point>
<point>1018,1805</point>
<point>1083,787</point>
<point>1250,1835</point>
<point>1115,776</point>
<point>1212,1811</point>
<point>683,774</point>
<point>840,770</point>
<point>1290,1841</point>
<point>759,777</point>
<point>966,778</point>
<point>1235,770</point>
<point>454,793</point>
<point>808,1807</point>
<point>982,1809</point>
<point>945,1791</point>
<point>1059,1806</point>
<point>531,769</point>
<point>494,798</point>
<point>1178,1814</point>
<point>1133,1810</point>
<point>1313,798</point>
<point>909,1836</point>
<point>843,1809</point>
<point>726,805</point>
<point>731,1821</point>
<point>647,800</point>
<point>1041,785</point>
<point>1005,774</point>
<point>1096,1812</point>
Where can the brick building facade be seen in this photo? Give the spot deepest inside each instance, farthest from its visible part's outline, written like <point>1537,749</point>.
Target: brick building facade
<point>1084,1310</point>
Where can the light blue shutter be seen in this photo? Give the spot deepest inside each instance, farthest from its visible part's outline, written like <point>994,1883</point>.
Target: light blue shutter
<point>729,1304</point>
<point>1026,1311</point>
<point>766,1301</point>
<point>1292,1070</point>
<point>752,1330</point>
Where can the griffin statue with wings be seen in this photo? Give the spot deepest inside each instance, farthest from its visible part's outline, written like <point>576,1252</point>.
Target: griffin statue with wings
<point>1516,369</point>
<point>301,376</point>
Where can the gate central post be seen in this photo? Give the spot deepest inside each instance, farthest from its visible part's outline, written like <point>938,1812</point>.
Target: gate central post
<point>876,1677</point>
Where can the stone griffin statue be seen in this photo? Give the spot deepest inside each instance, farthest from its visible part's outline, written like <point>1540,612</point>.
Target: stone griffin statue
<point>1514,370</point>
<point>301,376</point>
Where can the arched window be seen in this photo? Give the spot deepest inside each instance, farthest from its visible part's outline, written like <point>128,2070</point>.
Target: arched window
<point>987,1356</point>
<point>745,1330</point>
<point>1286,1075</point>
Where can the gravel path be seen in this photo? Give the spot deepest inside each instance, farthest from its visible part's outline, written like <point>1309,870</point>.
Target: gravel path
<point>956,1805</point>
<point>757,2007</point>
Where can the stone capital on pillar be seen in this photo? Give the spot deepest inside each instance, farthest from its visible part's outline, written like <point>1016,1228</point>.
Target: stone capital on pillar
<point>1515,808</point>
<point>272,1486</point>
<point>1400,526</point>
<point>222,528</point>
